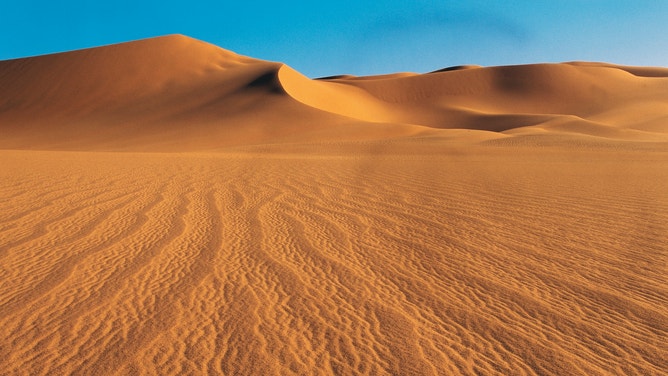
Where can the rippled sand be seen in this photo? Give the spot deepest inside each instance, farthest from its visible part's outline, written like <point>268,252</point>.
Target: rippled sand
<point>395,259</point>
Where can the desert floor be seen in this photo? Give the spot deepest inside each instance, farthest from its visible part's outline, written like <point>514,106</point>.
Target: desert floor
<point>418,256</point>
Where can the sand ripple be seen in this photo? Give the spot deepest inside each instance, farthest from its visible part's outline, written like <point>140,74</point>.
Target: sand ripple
<point>257,263</point>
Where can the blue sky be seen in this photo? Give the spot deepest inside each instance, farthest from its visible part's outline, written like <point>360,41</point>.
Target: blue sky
<point>322,38</point>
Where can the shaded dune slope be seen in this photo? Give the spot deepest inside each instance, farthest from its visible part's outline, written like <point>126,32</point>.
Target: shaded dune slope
<point>178,93</point>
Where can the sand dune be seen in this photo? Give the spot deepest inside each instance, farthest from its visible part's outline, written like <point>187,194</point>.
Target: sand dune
<point>170,207</point>
<point>143,95</point>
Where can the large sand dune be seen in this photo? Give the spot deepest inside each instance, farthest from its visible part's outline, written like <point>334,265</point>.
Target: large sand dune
<point>176,93</point>
<point>169,207</point>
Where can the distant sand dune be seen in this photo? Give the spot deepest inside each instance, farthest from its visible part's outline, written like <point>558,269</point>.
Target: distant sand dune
<point>145,94</point>
<point>168,207</point>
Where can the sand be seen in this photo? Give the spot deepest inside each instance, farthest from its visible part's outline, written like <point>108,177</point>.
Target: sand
<point>169,207</point>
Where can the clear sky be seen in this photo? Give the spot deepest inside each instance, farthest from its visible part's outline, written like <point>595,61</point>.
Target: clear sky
<point>322,38</point>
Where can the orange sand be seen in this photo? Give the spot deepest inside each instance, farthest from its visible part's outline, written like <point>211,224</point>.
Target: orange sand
<point>169,207</point>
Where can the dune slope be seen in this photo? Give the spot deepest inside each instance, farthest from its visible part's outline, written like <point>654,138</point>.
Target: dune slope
<point>147,95</point>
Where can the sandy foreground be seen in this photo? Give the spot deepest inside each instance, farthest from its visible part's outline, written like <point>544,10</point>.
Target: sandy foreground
<point>489,260</point>
<point>216,214</point>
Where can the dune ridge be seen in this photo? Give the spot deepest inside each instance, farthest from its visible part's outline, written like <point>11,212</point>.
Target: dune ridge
<point>168,207</point>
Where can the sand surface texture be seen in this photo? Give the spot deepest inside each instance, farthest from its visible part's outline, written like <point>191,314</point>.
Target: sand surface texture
<point>169,207</point>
